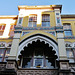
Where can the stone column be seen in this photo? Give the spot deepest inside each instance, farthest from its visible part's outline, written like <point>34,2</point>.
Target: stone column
<point>63,61</point>
<point>11,61</point>
<point>61,46</point>
<point>14,47</point>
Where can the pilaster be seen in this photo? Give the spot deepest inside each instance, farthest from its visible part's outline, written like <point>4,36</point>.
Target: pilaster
<point>15,43</point>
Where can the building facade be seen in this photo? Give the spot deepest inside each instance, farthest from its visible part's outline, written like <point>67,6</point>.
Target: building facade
<point>37,41</point>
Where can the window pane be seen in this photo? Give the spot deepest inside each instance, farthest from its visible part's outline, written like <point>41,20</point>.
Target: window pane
<point>58,20</point>
<point>45,24</point>
<point>2,52</point>
<point>69,53</point>
<point>49,64</point>
<point>71,60</point>
<point>7,52</point>
<point>34,24</point>
<point>3,27</point>
<point>67,27</point>
<point>38,62</point>
<point>68,33</point>
<point>0,27</point>
<point>0,59</point>
<point>26,63</point>
<point>46,17</point>
<point>46,20</point>
<point>20,20</point>
<point>32,21</point>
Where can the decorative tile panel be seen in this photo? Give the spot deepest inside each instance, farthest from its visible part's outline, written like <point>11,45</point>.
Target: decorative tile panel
<point>24,33</point>
<point>51,32</point>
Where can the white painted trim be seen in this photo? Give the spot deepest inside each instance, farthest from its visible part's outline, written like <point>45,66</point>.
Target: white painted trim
<point>41,38</point>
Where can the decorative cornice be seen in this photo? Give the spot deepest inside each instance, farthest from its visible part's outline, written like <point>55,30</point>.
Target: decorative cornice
<point>43,28</point>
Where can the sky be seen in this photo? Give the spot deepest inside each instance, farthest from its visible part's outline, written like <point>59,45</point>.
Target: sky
<point>10,7</point>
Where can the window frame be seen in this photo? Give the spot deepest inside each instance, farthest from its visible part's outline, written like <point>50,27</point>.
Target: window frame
<point>46,21</point>
<point>68,29</point>
<point>32,22</point>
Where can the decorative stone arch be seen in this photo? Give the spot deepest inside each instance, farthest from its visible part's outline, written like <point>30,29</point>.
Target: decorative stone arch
<point>41,37</point>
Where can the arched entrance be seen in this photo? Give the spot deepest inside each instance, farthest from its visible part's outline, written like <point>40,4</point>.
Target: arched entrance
<point>38,52</point>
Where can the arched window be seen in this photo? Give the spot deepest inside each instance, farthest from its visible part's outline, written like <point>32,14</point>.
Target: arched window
<point>38,55</point>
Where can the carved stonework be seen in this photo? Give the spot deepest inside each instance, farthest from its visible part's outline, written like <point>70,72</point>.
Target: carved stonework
<point>2,66</point>
<point>37,72</point>
<point>64,65</point>
<point>11,65</point>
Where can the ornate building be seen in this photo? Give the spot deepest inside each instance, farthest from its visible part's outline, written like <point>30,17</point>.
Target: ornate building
<point>38,41</point>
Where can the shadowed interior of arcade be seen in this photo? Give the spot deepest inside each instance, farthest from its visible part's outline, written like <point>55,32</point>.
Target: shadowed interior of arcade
<point>38,54</point>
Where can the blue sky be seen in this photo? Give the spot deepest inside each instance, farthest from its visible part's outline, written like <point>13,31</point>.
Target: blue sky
<point>9,7</point>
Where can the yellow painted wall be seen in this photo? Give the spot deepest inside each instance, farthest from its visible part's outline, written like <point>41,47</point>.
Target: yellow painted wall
<point>52,19</point>
<point>36,32</point>
<point>25,21</point>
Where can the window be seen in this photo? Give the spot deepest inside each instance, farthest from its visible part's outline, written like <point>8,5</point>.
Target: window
<point>67,26</point>
<point>70,55</point>
<point>37,60</point>
<point>4,53</point>
<point>46,20</point>
<point>32,21</point>
<point>1,54</point>
<point>57,13</point>
<point>58,20</point>
<point>68,33</point>
<point>12,27</point>
<point>20,20</point>
<point>67,29</point>
<point>2,27</point>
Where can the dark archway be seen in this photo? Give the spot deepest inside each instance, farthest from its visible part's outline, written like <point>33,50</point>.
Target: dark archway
<point>38,55</point>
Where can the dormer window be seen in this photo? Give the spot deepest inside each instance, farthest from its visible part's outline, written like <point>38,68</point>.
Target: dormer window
<point>45,20</point>
<point>32,21</point>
